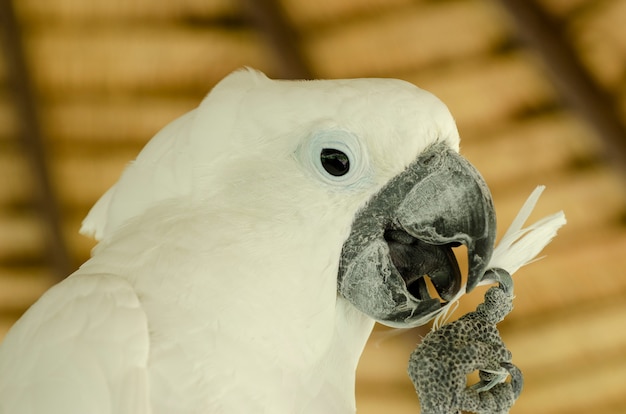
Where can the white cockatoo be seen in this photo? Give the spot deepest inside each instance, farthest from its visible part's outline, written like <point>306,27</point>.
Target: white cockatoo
<point>246,253</point>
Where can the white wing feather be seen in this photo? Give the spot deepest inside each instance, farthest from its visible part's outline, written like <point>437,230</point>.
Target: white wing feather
<point>97,323</point>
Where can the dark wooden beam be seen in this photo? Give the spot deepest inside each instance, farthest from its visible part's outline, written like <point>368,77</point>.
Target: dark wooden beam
<point>20,85</point>
<point>270,19</point>
<point>544,35</point>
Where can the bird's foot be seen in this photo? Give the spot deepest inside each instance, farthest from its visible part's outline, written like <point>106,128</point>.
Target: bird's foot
<point>440,364</point>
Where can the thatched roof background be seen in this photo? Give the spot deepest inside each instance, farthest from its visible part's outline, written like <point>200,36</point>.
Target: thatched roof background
<point>538,90</point>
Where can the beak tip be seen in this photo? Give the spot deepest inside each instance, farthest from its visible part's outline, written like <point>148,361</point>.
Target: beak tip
<point>471,284</point>
<point>469,288</point>
<point>477,269</point>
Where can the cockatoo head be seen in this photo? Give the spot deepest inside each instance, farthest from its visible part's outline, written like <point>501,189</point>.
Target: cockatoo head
<point>369,165</point>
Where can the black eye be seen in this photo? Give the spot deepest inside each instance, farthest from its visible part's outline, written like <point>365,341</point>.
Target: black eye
<point>335,162</point>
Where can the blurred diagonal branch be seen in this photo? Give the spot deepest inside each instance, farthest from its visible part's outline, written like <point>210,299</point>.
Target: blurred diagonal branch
<point>20,85</point>
<point>271,21</point>
<point>545,36</point>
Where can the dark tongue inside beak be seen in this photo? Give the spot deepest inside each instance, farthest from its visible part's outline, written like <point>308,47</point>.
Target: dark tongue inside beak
<point>419,262</point>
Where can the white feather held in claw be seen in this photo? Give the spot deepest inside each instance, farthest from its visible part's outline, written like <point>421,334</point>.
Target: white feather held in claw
<point>519,246</point>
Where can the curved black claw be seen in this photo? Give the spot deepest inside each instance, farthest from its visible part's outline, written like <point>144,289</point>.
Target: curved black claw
<point>502,277</point>
<point>517,379</point>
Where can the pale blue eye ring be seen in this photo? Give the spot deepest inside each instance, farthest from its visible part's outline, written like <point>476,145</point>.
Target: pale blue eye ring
<point>336,157</point>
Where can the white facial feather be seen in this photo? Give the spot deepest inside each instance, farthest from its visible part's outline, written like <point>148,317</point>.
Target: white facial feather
<point>246,142</point>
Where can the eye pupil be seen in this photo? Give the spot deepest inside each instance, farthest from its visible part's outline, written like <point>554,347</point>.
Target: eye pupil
<point>335,162</point>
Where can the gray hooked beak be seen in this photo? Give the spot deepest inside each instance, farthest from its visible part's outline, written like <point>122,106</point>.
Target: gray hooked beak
<point>405,235</point>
